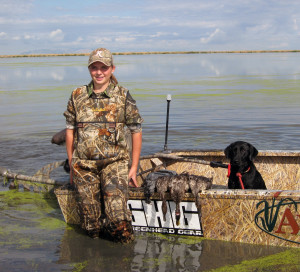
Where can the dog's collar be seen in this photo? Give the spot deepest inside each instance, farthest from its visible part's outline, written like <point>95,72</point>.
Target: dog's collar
<point>247,170</point>
<point>229,170</point>
<point>238,174</point>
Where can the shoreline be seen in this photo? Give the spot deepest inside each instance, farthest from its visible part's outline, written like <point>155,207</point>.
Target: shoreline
<point>153,53</point>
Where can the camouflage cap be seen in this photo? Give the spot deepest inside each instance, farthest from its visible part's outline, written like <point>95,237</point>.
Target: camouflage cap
<point>102,55</point>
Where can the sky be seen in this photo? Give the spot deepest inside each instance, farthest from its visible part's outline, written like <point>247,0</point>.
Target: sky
<point>71,26</point>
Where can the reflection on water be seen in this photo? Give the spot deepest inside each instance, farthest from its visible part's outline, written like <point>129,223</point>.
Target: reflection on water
<point>216,99</point>
<point>34,237</point>
<point>150,252</point>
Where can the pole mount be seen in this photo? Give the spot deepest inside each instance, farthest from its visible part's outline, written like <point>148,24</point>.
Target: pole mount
<point>169,98</point>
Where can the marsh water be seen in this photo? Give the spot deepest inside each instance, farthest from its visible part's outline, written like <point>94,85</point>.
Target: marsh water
<point>216,99</point>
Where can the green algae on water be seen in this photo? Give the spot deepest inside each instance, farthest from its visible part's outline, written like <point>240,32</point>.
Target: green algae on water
<point>16,198</point>
<point>80,266</point>
<point>287,261</point>
<point>39,208</point>
<point>26,217</point>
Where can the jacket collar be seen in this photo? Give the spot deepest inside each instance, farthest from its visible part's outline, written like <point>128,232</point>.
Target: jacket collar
<point>106,93</point>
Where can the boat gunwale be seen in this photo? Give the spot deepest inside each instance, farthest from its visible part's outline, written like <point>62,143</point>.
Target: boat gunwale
<point>138,193</point>
<point>220,152</point>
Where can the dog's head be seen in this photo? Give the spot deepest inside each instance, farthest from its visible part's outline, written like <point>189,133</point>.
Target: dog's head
<point>240,153</point>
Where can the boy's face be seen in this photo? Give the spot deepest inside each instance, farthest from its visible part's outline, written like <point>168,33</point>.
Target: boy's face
<point>100,74</point>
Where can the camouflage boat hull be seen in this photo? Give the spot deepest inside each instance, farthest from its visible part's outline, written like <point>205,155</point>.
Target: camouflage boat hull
<point>269,217</point>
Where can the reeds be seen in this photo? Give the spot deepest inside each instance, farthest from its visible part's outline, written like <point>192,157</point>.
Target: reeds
<point>152,53</point>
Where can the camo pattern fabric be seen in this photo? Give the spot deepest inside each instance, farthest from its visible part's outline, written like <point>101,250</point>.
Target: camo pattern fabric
<point>99,121</point>
<point>102,194</point>
<point>100,157</point>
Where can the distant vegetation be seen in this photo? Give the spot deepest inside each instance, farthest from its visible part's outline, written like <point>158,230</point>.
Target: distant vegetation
<point>149,53</point>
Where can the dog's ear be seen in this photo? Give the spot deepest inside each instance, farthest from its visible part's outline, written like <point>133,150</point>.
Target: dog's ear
<point>227,151</point>
<point>253,152</point>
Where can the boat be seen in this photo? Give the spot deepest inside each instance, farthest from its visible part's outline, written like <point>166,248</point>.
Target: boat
<point>266,217</point>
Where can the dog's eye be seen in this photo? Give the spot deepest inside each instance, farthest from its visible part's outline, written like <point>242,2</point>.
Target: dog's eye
<point>244,151</point>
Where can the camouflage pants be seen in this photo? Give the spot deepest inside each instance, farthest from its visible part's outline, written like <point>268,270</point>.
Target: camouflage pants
<point>102,198</point>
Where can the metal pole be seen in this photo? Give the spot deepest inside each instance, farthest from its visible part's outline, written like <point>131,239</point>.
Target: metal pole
<point>169,98</point>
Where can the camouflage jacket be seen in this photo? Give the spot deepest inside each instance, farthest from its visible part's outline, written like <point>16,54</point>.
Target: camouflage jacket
<point>99,121</point>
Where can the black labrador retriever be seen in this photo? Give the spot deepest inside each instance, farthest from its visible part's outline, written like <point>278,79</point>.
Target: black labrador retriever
<point>242,173</point>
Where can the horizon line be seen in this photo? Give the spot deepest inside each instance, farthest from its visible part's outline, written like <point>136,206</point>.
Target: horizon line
<point>152,53</point>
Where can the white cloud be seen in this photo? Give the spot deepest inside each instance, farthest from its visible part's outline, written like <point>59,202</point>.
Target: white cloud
<point>125,39</point>
<point>158,34</point>
<point>16,7</point>
<point>145,25</point>
<point>259,28</point>
<point>279,45</point>
<point>57,35</point>
<point>30,37</point>
<point>161,34</point>
<point>16,38</point>
<point>211,36</point>
<point>100,40</point>
<point>3,35</point>
<point>295,25</point>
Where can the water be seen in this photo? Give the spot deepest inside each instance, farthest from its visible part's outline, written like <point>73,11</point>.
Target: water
<point>216,99</point>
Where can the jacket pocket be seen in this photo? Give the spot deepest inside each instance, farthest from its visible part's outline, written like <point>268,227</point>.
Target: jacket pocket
<point>96,141</point>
